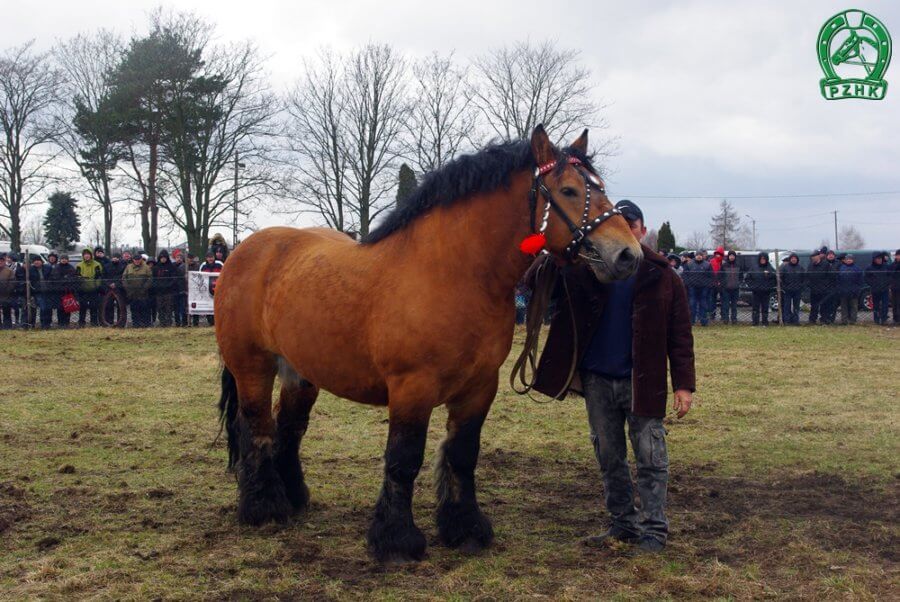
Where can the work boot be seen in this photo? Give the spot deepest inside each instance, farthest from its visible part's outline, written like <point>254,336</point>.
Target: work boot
<point>612,534</point>
<point>649,545</point>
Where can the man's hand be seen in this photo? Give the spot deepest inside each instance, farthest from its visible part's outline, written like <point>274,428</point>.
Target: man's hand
<point>683,401</point>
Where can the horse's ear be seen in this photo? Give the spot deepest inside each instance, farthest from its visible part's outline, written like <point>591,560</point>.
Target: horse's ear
<point>541,147</point>
<point>581,144</point>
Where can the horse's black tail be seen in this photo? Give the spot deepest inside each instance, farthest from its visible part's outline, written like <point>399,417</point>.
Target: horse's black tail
<point>228,409</point>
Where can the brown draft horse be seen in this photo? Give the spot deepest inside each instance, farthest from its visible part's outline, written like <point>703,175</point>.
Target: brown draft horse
<point>419,314</point>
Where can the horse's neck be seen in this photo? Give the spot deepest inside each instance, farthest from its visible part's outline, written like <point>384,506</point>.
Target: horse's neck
<point>475,242</point>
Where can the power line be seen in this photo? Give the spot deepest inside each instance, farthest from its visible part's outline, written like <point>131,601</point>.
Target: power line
<point>759,196</point>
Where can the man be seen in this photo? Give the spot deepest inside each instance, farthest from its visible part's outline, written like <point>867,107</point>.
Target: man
<point>793,277</point>
<point>91,273</point>
<point>626,332</point>
<point>817,278</point>
<point>698,279</point>
<point>42,296</point>
<point>878,277</point>
<point>761,282</point>
<point>165,283</point>
<point>52,260</point>
<point>833,297</point>
<point>730,278</point>
<point>137,280</point>
<point>7,291</point>
<point>100,256</point>
<point>180,288</point>
<point>850,284</point>
<point>895,286</point>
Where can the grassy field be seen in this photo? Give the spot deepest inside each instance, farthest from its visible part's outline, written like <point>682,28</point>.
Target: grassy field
<point>784,482</point>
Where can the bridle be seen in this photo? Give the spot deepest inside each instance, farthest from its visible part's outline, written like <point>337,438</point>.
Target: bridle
<point>579,233</point>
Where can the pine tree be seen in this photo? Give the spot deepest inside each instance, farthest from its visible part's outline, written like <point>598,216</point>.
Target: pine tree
<point>666,239</point>
<point>406,184</point>
<point>62,228</point>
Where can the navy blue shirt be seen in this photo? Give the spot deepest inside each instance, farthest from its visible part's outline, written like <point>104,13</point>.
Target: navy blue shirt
<point>609,352</point>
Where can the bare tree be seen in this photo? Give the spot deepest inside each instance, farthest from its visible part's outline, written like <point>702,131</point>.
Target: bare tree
<point>697,240</point>
<point>725,226</point>
<point>29,87</point>
<point>316,107</point>
<point>520,86</point>
<point>33,231</point>
<point>375,117</point>
<point>442,121</point>
<point>851,239</point>
<point>86,130</point>
<point>651,239</point>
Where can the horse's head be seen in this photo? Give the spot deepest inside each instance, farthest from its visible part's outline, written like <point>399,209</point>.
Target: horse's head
<point>581,223</point>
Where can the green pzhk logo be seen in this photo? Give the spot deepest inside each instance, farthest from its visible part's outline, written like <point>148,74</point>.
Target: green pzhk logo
<point>854,51</point>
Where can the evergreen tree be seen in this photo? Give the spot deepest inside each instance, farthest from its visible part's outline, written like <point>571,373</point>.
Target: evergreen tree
<point>406,184</point>
<point>62,228</point>
<point>666,238</point>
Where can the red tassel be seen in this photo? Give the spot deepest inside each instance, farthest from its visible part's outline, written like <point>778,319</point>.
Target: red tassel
<point>532,244</point>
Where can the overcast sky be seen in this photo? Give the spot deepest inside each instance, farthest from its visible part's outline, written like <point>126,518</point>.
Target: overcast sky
<point>706,99</point>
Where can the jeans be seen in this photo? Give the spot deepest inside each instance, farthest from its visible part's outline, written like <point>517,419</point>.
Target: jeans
<point>895,292</point>
<point>729,305</point>
<point>608,402</point>
<point>790,307</point>
<point>760,307</point>
<point>849,303</point>
<point>89,301</point>
<point>880,307</point>
<point>697,298</point>
<point>829,307</point>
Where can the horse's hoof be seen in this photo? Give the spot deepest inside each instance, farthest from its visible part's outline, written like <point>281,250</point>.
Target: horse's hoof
<point>264,505</point>
<point>470,531</point>
<point>392,545</point>
<point>298,495</point>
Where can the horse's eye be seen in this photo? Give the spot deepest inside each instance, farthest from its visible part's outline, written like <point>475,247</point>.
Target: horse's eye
<point>569,192</point>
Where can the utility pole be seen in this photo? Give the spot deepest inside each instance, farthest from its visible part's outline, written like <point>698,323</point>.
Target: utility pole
<point>835,230</point>
<point>752,221</point>
<point>235,237</point>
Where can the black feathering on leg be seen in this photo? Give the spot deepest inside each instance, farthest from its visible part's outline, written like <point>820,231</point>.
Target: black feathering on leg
<point>459,519</point>
<point>393,535</point>
<point>261,492</point>
<point>287,463</point>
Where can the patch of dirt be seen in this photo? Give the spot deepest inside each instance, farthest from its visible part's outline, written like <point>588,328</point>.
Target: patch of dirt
<point>824,509</point>
<point>13,506</point>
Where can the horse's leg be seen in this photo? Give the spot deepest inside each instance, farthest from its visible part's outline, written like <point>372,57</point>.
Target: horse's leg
<point>262,495</point>
<point>459,519</point>
<point>294,404</point>
<point>393,535</point>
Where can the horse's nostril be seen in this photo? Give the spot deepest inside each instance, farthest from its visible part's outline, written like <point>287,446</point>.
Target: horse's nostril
<point>626,260</point>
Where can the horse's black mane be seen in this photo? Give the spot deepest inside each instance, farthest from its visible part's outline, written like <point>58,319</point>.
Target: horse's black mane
<point>467,175</point>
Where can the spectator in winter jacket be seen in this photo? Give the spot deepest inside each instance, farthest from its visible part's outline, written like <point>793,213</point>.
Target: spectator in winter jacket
<point>878,277</point>
<point>730,276</point>
<point>895,286</point>
<point>697,278</point>
<point>760,280</point>
<point>41,290</point>
<point>180,288</point>
<point>817,279</point>
<point>137,280</point>
<point>715,289</point>
<point>165,285</point>
<point>833,296</point>
<point>850,284</point>
<point>793,277</point>
<point>64,279</point>
<point>91,273</point>
<point>7,291</point>
<point>210,265</point>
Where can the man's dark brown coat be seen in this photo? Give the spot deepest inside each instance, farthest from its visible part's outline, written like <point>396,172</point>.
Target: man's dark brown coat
<point>661,330</point>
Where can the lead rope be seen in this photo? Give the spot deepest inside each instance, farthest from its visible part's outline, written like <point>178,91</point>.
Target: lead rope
<point>544,283</point>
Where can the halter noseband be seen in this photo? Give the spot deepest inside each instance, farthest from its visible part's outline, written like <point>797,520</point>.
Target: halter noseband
<point>579,233</point>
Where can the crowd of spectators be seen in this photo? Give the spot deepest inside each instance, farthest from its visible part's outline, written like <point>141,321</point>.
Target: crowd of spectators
<point>832,281</point>
<point>153,290</point>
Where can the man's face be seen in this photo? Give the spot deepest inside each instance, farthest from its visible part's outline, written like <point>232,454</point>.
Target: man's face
<point>878,260</point>
<point>210,259</point>
<point>637,228</point>
<point>100,254</point>
<point>163,259</point>
<point>86,256</point>
<point>126,256</point>
<point>138,260</point>
<point>794,260</point>
<point>52,259</point>
<point>848,260</point>
<point>699,257</point>
<point>830,257</point>
<point>115,259</point>
<point>816,259</point>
